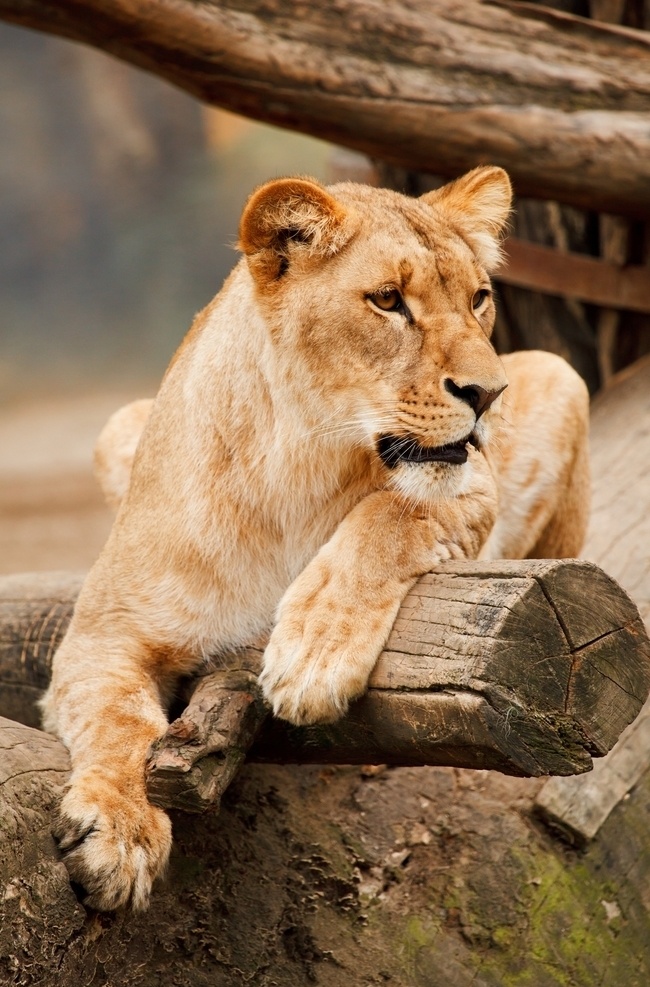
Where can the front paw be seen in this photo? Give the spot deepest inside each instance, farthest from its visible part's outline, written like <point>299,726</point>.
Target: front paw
<point>315,665</point>
<point>112,840</point>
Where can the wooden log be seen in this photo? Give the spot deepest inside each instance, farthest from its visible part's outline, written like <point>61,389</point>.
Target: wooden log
<point>35,610</point>
<point>561,102</point>
<point>522,651</point>
<point>618,539</point>
<point>529,668</point>
<point>33,767</point>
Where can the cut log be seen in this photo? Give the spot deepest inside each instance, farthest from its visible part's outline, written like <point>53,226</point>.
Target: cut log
<point>561,102</point>
<point>529,668</point>
<point>508,665</point>
<point>618,538</point>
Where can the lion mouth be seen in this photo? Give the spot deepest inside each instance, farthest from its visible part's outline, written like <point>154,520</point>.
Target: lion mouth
<point>396,449</point>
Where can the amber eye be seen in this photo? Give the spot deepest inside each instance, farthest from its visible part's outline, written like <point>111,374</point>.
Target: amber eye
<point>480,296</point>
<point>388,300</point>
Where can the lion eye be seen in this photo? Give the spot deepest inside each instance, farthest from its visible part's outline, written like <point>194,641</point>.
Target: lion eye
<point>479,297</point>
<point>388,301</point>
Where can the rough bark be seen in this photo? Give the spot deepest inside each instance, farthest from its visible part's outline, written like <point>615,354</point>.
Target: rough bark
<point>561,102</point>
<point>415,877</point>
<point>523,667</point>
<point>618,538</point>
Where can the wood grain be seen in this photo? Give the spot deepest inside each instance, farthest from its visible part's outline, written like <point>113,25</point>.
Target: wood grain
<point>590,279</point>
<point>530,668</point>
<point>618,540</point>
<point>560,101</point>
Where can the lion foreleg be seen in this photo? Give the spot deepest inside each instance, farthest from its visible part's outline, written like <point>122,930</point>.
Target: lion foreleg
<point>105,700</point>
<point>335,618</point>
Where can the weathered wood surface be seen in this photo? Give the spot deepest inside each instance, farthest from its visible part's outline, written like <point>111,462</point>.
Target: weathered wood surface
<point>619,532</point>
<point>618,539</point>
<point>561,102</point>
<point>524,651</point>
<point>204,748</point>
<point>35,611</point>
<point>599,282</point>
<point>526,667</point>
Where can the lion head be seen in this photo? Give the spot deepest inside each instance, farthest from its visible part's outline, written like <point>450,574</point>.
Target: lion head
<point>381,305</point>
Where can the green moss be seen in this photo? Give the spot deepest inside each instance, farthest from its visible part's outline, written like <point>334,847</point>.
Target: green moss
<point>555,931</point>
<point>503,937</point>
<point>416,933</point>
<point>564,937</point>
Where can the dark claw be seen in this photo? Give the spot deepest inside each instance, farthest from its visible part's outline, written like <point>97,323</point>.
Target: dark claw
<point>79,891</point>
<point>68,844</point>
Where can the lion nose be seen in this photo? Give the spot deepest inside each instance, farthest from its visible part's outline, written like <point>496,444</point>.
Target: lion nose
<point>478,398</point>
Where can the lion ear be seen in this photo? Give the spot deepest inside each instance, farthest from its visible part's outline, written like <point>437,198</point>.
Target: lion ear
<point>479,204</point>
<point>291,213</point>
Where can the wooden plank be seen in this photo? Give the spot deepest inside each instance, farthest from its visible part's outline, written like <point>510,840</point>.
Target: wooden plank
<point>578,807</point>
<point>589,279</point>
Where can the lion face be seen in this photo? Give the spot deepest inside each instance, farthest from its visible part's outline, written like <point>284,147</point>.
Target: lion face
<point>380,308</point>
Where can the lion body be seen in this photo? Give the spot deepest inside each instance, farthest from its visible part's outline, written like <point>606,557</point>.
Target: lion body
<point>331,428</point>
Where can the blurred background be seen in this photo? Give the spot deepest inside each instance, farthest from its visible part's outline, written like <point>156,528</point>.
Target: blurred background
<point>119,203</point>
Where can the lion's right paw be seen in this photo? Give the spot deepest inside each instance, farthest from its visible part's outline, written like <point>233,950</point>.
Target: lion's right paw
<point>113,842</point>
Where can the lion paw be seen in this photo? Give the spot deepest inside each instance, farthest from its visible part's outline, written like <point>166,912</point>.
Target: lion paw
<point>296,698</point>
<point>312,674</point>
<point>113,842</point>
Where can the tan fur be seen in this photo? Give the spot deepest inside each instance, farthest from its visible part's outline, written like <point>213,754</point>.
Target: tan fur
<point>258,500</point>
<point>115,449</point>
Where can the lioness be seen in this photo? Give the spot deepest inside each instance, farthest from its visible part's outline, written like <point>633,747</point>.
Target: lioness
<point>332,427</point>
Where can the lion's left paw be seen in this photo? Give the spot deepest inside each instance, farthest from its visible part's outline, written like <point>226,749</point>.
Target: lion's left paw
<point>313,668</point>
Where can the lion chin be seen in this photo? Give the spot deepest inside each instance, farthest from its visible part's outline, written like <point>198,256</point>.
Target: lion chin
<point>431,482</point>
<point>429,473</point>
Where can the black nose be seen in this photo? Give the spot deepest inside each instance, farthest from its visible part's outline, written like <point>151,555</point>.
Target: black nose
<point>478,398</point>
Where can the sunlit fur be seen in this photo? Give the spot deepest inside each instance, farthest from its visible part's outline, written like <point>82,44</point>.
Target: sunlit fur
<point>256,501</point>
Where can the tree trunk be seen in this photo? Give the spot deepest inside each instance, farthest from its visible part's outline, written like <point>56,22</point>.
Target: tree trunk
<point>559,101</point>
